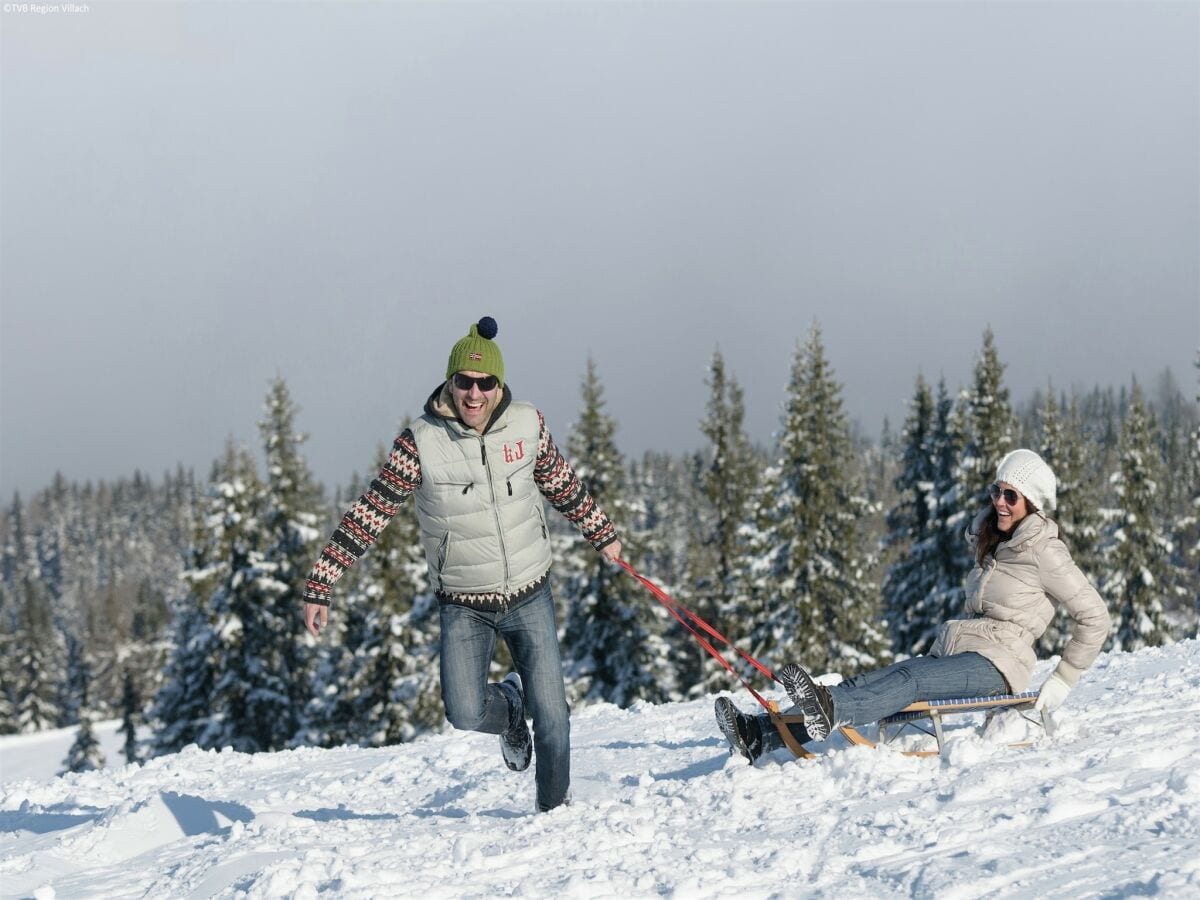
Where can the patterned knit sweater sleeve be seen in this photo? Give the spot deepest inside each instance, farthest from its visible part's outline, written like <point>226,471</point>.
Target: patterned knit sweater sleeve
<point>559,484</point>
<point>366,519</point>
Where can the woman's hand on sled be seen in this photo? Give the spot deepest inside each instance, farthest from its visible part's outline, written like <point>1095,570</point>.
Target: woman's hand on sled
<point>1054,691</point>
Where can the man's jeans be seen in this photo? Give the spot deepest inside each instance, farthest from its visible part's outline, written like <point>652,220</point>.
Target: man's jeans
<point>472,704</point>
<point>872,696</point>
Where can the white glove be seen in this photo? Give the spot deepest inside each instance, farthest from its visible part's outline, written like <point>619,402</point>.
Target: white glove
<point>1054,692</point>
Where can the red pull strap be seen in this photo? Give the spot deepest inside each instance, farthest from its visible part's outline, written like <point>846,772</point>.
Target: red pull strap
<point>686,617</point>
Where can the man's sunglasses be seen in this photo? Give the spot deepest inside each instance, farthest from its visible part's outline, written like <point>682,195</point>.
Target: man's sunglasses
<point>485,383</point>
<point>1010,496</point>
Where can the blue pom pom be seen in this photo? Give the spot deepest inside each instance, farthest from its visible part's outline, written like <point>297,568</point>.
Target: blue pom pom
<point>487,328</point>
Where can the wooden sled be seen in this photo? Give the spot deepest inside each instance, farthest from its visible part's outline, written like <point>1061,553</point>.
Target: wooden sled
<point>915,716</point>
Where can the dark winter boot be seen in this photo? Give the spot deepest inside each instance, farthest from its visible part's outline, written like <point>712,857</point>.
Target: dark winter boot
<point>566,801</point>
<point>740,730</point>
<point>516,746</point>
<point>811,699</point>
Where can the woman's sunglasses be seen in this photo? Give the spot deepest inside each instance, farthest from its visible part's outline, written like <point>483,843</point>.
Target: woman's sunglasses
<point>485,383</point>
<point>1010,496</point>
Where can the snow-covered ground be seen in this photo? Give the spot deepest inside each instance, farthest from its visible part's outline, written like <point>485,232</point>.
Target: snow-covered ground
<point>1108,807</point>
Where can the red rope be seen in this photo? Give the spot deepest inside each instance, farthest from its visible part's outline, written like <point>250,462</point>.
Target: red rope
<point>679,611</point>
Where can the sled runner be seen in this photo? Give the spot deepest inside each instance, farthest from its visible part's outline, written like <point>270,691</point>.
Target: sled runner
<point>920,716</point>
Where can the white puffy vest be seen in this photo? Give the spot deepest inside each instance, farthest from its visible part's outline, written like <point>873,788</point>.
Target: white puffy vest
<point>482,524</point>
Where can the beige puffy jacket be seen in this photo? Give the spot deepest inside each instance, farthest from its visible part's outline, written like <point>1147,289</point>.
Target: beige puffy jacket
<point>1013,596</point>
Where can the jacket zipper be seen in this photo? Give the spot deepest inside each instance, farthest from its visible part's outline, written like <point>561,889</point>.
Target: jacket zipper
<point>496,513</point>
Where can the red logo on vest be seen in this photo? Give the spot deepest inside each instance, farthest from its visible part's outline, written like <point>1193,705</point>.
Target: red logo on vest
<point>511,455</point>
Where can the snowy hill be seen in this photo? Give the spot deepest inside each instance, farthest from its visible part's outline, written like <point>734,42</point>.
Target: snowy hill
<point>1110,806</point>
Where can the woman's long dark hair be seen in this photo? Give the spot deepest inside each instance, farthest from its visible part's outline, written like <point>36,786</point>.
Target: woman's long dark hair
<point>990,535</point>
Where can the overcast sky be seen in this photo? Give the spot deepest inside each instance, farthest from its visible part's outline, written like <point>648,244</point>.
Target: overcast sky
<point>197,196</point>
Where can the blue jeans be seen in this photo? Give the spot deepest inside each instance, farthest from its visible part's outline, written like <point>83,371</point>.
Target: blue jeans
<point>472,704</point>
<point>871,696</point>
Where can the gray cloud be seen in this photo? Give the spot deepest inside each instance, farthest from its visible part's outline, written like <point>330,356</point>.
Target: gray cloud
<point>199,196</point>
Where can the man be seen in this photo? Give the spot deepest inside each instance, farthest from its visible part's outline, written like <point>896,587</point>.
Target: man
<point>478,464</point>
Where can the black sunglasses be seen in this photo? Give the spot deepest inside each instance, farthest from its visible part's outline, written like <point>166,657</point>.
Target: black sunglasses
<point>1010,496</point>
<point>485,383</point>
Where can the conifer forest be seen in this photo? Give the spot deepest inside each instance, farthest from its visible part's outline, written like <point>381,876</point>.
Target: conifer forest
<point>174,603</point>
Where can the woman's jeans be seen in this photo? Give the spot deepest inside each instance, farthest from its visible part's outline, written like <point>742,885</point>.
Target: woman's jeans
<point>529,629</point>
<point>874,695</point>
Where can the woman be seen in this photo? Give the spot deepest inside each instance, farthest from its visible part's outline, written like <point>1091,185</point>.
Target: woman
<point>1023,572</point>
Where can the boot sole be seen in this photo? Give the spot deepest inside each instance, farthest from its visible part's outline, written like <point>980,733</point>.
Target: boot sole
<point>802,691</point>
<point>727,721</point>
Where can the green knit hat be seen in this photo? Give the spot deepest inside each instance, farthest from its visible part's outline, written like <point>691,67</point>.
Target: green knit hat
<point>477,352</point>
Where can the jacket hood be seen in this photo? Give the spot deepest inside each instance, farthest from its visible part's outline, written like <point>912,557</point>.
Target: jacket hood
<point>441,405</point>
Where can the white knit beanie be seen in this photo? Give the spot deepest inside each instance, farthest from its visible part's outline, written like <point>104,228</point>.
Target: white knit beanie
<point>1029,474</point>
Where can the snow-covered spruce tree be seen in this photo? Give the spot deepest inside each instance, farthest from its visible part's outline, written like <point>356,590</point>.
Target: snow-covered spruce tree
<point>944,551</point>
<point>19,553</point>
<point>127,612</point>
<point>1102,425</point>
<point>264,538</point>
<point>60,533</point>
<point>90,548</point>
<point>329,714</point>
<point>131,714</point>
<point>1188,526</point>
<point>1173,434</point>
<point>971,437</point>
<point>250,697</point>
<point>662,497</point>
<point>35,654</point>
<point>1174,510</point>
<point>613,641</point>
<point>8,673</point>
<point>1079,492</point>
<point>819,606</point>
<point>99,550</point>
<point>85,754</point>
<point>291,512</point>
<point>988,428</point>
<point>730,480</point>
<point>19,568</point>
<point>396,690</point>
<point>74,687</point>
<point>39,660</point>
<point>144,654</point>
<point>1137,575</point>
<point>878,465</point>
<point>377,680</point>
<point>1060,441</point>
<point>184,706</point>
<point>911,584</point>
